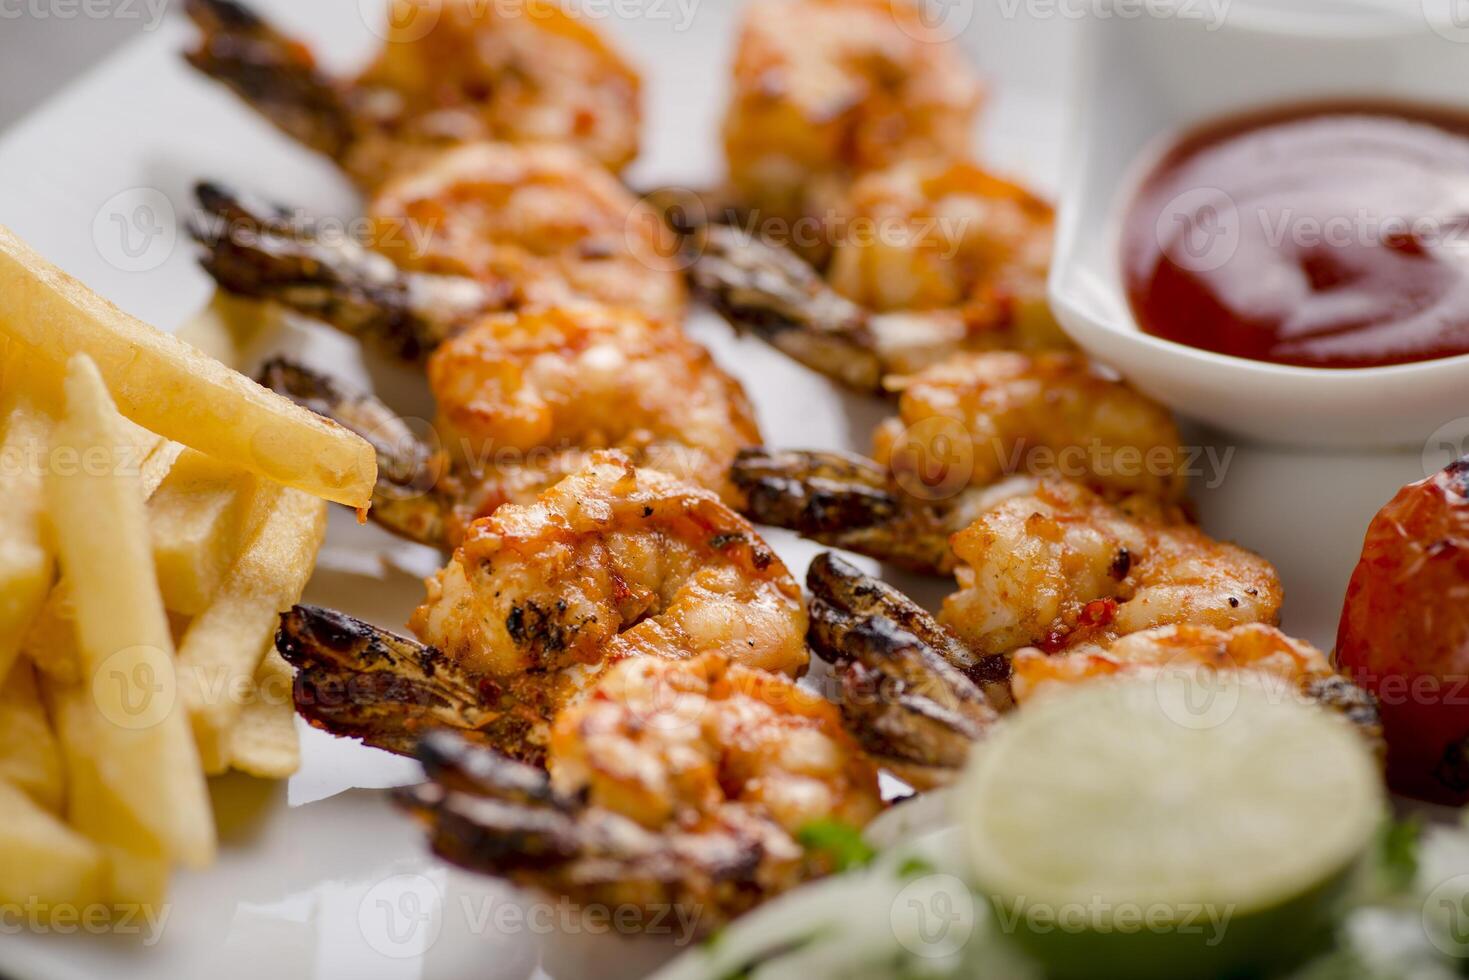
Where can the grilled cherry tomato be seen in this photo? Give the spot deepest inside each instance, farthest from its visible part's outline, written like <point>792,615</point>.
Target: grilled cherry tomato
<point>1404,633</point>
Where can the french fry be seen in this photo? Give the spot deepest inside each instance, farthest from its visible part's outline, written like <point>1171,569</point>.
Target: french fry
<point>50,644</point>
<point>200,520</point>
<point>223,647</point>
<point>143,751</point>
<point>136,867</point>
<point>170,388</point>
<point>264,742</point>
<point>30,758</point>
<point>42,861</point>
<point>27,565</point>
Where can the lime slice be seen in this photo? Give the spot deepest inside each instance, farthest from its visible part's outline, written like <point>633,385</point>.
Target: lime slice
<point>1140,828</point>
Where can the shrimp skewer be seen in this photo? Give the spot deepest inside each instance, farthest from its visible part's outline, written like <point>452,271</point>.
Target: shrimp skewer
<point>825,91</point>
<point>858,620</point>
<point>679,783</point>
<point>485,228</point>
<point>451,72</point>
<point>258,250</point>
<point>975,280</point>
<point>540,600</point>
<point>968,433</point>
<point>523,399</point>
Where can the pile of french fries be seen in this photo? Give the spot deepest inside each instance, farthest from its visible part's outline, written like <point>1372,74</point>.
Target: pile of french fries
<point>158,510</point>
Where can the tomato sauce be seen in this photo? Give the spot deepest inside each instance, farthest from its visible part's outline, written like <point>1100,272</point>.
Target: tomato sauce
<point>1329,236</point>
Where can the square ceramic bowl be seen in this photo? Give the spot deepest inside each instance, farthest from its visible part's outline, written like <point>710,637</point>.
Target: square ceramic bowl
<point>1143,81</point>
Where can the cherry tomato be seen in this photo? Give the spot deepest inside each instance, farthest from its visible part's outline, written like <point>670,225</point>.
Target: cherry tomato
<point>1404,633</point>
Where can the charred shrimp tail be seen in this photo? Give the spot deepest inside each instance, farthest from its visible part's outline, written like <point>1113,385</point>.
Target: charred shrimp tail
<point>273,73</point>
<point>358,681</point>
<point>492,815</point>
<point>845,501</point>
<point>773,293</point>
<point>415,497</point>
<point>910,692</point>
<point>258,250</point>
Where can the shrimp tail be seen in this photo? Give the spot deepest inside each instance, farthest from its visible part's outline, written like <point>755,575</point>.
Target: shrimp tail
<point>771,292</point>
<point>491,815</point>
<point>416,496</point>
<point>357,681</point>
<point>911,693</point>
<point>259,250</point>
<point>274,74</point>
<point>845,501</point>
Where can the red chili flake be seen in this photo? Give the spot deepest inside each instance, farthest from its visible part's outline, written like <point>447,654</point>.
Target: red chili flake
<point>1098,613</point>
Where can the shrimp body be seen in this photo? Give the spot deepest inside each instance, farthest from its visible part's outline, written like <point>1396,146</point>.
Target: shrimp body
<point>457,71</point>
<point>1062,567</point>
<point>452,72</point>
<point>544,221</point>
<point>681,784</point>
<point>611,563</point>
<point>1000,413</point>
<point>934,236</point>
<point>677,742</point>
<point>522,399</point>
<point>826,90</point>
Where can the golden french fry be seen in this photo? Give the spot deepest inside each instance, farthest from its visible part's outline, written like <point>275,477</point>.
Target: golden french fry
<point>136,867</point>
<point>30,758</point>
<point>143,750</point>
<point>200,520</point>
<point>224,645</point>
<point>264,742</point>
<point>27,565</point>
<point>170,388</point>
<point>50,644</point>
<point>42,860</point>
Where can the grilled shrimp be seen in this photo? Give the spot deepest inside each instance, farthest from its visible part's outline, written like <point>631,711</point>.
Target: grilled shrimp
<point>587,377</point>
<point>611,562</point>
<point>964,427</point>
<point>542,218</point>
<point>1253,647</point>
<point>770,291</point>
<point>676,783</point>
<point>451,72</point>
<point>489,227</point>
<point>539,600</point>
<point>923,731</point>
<point>913,694</point>
<point>1062,567</point>
<point>827,90</point>
<point>931,236</point>
<point>524,398</point>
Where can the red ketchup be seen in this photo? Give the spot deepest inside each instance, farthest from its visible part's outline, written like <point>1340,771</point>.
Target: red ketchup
<point>1329,236</point>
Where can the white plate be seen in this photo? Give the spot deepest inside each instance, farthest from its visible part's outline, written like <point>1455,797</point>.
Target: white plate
<point>325,885</point>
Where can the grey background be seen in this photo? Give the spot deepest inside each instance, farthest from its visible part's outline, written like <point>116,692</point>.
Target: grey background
<point>39,55</point>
